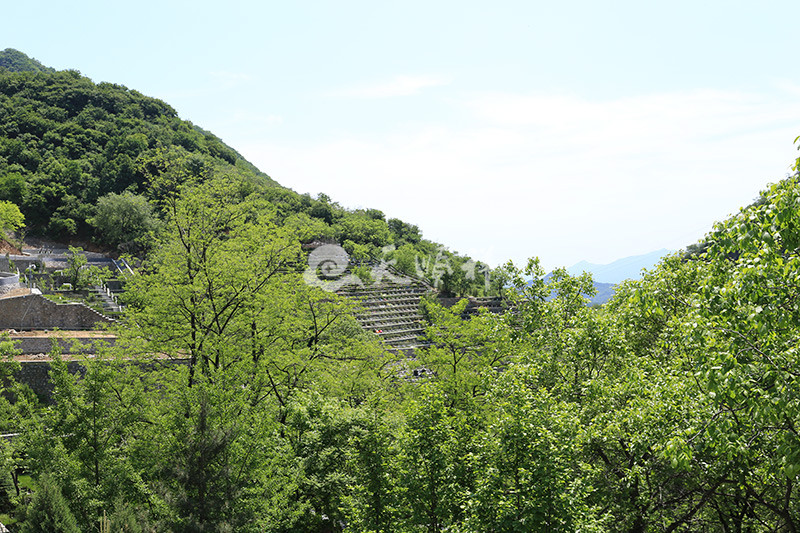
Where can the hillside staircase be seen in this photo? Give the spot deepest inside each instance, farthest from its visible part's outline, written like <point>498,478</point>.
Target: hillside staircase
<point>108,293</point>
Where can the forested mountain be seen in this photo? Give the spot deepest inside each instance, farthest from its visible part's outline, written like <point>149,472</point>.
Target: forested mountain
<point>92,161</point>
<point>66,142</point>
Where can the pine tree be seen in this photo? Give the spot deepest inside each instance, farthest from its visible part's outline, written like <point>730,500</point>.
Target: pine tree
<point>49,512</point>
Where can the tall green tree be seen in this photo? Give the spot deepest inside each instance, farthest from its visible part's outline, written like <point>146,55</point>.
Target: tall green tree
<point>124,220</point>
<point>224,294</point>
<point>437,460</point>
<point>11,219</point>
<point>88,435</point>
<point>464,352</point>
<point>528,478</point>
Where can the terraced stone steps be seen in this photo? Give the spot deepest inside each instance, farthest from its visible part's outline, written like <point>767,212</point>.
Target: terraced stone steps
<point>390,307</point>
<point>108,297</point>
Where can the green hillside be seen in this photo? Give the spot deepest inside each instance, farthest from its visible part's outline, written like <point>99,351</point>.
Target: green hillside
<point>65,142</point>
<point>16,61</point>
<point>75,154</point>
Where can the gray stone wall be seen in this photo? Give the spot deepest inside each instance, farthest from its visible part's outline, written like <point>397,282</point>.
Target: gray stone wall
<point>70,345</point>
<point>20,263</point>
<point>34,311</point>
<point>36,374</point>
<point>494,305</point>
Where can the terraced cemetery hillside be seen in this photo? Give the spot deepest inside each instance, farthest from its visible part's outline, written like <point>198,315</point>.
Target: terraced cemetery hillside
<point>389,301</point>
<point>390,308</point>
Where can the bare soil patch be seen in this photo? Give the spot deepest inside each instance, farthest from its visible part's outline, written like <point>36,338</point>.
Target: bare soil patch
<point>8,248</point>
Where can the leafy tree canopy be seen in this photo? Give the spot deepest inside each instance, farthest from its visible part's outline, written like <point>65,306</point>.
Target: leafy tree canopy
<point>11,219</point>
<point>674,407</point>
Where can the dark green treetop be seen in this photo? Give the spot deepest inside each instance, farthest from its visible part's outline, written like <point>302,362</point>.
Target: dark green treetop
<point>16,61</point>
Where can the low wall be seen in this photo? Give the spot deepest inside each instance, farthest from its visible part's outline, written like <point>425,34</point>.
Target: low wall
<point>20,263</point>
<point>36,374</point>
<point>494,305</point>
<point>34,311</point>
<point>70,345</point>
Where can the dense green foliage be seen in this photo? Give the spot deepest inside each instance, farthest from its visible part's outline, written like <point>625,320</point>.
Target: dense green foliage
<point>124,220</point>
<point>49,511</point>
<point>65,142</point>
<point>16,61</point>
<point>672,408</point>
<point>11,219</point>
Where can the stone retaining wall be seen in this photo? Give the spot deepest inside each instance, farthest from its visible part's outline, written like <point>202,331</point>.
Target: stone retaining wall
<point>34,311</point>
<point>494,305</point>
<point>36,374</point>
<point>71,345</point>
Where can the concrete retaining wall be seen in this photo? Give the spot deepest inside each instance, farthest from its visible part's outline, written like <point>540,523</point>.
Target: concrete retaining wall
<point>34,311</point>
<point>8,282</point>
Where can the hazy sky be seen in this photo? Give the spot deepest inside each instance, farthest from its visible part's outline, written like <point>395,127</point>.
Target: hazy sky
<point>567,130</point>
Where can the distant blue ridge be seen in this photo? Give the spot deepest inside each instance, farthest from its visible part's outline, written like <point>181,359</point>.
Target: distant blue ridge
<point>606,277</point>
<point>621,269</point>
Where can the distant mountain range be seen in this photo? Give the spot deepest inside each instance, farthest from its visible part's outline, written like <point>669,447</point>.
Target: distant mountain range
<point>621,269</point>
<point>606,277</point>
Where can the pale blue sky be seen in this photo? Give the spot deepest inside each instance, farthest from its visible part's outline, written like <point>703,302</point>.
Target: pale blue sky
<point>576,130</point>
